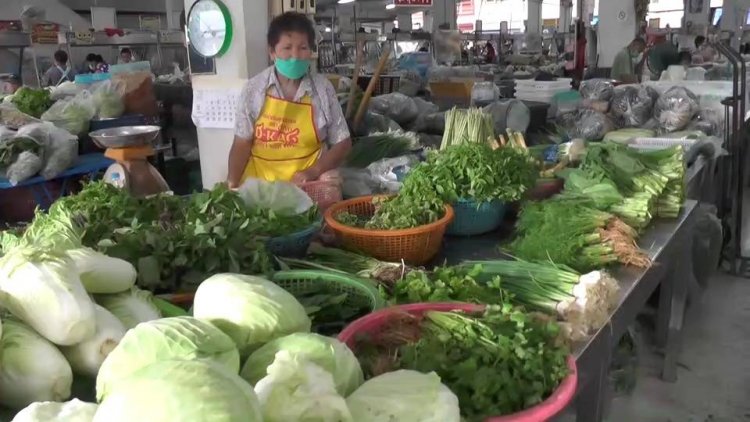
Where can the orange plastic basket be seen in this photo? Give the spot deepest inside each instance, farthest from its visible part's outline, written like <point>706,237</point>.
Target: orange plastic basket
<point>323,193</point>
<point>416,246</point>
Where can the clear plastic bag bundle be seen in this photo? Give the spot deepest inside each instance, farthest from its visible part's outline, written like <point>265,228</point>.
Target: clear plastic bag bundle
<point>632,105</point>
<point>396,106</point>
<point>61,148</point>
<point>597,90</point>
<point>281,197</point>
<point>708,121</point>
<point>107,99</point>
<point>675,109</point>
<point>586,124</point>
<point>73,114</point>
<point>26,166</point>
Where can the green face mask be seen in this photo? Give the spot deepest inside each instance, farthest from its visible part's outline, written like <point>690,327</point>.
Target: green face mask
<point>292,68</point>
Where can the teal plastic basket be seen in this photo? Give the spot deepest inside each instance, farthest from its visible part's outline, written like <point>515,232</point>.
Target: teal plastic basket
<point>472,218</point>
<point>293,245</point>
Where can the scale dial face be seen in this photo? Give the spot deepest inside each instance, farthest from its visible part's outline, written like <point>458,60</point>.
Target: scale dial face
<point>209,28</point>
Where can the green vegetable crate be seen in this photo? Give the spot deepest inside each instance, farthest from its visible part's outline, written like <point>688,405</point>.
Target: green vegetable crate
<point>472,218</point>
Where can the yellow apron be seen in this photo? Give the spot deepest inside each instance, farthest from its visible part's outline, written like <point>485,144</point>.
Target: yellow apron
<point>286,140</point>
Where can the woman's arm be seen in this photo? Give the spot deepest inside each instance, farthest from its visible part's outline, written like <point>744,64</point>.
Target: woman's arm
<point>239,155</point>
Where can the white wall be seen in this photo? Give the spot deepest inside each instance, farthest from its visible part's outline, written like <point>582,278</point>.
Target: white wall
<point>144,6</point>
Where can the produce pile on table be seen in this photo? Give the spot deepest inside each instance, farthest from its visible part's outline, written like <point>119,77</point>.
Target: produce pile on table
<point>175,242</point>
<point>39,128</point>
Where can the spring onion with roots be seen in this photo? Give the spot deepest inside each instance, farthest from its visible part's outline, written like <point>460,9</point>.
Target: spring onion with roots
<point>332,259</point>
<point>571,233</point>
<point>583,302</point>
<point>377,146</point>
<point>670,163</point>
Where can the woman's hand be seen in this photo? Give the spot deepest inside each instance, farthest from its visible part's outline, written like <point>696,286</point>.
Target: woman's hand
<point>308,175</point>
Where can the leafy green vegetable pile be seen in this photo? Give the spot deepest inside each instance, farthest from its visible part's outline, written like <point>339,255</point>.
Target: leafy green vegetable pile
<point>448,284</point>
<point>174,242</point>
<point>377,146</point>
<point>32,101</point>
<point>468,171</point>
<point>499,363</point>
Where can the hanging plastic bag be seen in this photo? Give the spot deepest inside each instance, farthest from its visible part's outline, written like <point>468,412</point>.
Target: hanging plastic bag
<point>73,114</point>
<point>281,197</point>
<point>107,99</point>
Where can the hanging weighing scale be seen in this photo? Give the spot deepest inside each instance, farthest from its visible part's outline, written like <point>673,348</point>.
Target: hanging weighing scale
<point>130,147</point>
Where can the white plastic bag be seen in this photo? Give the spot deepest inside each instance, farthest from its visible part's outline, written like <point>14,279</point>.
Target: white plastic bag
<point>281,197</point>
<point>27,165</point>
<point>65,90</point>
<point>73,114</point>
<point>61,148</point>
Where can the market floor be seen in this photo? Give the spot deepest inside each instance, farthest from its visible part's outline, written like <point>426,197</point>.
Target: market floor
<point>714,375</point>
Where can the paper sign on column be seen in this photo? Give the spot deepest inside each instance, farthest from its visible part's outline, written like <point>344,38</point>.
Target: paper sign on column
<point>215,107</point>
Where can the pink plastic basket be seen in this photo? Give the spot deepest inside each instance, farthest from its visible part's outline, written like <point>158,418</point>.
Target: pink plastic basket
<point>323,193</point>
<point>554,405</point>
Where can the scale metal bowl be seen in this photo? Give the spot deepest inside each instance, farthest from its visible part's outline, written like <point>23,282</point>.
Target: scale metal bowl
<point>125,136</point>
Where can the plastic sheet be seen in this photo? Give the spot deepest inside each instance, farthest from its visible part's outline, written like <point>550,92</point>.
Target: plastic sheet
<point>61,148</point>
<point>27,165</point>
<point>632,105</point>
<point>281,197</point>
<point>675,109</point>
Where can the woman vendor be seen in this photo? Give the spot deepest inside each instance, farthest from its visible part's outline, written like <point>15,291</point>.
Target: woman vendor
<point>286,113</point>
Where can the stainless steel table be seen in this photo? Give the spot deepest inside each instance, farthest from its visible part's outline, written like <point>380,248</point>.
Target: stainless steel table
<point>667,242</point>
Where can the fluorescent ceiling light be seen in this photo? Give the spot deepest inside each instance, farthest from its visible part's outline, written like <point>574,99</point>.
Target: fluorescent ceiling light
<point>328,29</point>
<point>390,6</point>
<point>346,1</point>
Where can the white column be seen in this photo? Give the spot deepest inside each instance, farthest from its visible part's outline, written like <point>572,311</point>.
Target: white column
<point>617,27</point>
<point>404,21</point>
<point>566,16</point>
<point>442,12</point>
<point>534,17</point>
<point>246,57</point>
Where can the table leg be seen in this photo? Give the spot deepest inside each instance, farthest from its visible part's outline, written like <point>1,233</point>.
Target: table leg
<point>591,401</point>
<point>679,281</point>
<point>666,292</point>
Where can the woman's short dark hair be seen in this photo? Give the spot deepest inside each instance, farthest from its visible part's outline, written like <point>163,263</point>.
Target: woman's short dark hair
<point>699,40</point>
<point>126,51</point>
<point>290,22</point>
<point>91,57</point>
<point>61,56</point>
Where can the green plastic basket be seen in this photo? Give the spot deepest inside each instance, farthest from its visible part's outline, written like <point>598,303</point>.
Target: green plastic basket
<point>361,293</point>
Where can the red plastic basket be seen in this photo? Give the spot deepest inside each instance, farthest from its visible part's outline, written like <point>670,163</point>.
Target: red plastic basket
<point>323,193</point>
<point>554,405</point>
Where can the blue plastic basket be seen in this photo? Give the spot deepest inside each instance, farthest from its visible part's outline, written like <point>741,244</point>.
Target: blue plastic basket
<point>474,218</point>
<point>292,245</point>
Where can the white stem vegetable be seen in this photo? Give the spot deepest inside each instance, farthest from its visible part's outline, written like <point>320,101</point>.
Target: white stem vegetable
<point>131,307</point>
<point>87,356</point>
<point>31,368</point>
<point>100,273</point>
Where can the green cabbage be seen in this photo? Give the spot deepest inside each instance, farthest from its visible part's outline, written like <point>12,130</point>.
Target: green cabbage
<point>297,390</point>
<point>102,274</point>
<point>181,391</point>
<point>131,307</point>
<point>31,368</point>
<point>41,287</point>
<point>51,411</point>
<point>183,338</point>
<point>329,353</point>
<point>404,395</point>
<point>251,310</point>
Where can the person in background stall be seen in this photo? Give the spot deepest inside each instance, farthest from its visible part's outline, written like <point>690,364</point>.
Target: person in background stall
<point>126,55</point>
<point>95,64</point>
<point>289,125</point>
<point>60,72</point>
<point>704,53</point>
<point>580,56</point>
<point>491,56</point>
<point>627,60</point>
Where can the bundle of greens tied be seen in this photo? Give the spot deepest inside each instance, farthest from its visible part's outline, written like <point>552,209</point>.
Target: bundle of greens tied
<point>629,183</point>
<point>496,363</point>
<point>571,232</point>
<point>469,171</point>
<point>377,146</point>
<point>464,126</point>
<point>174,242</point>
